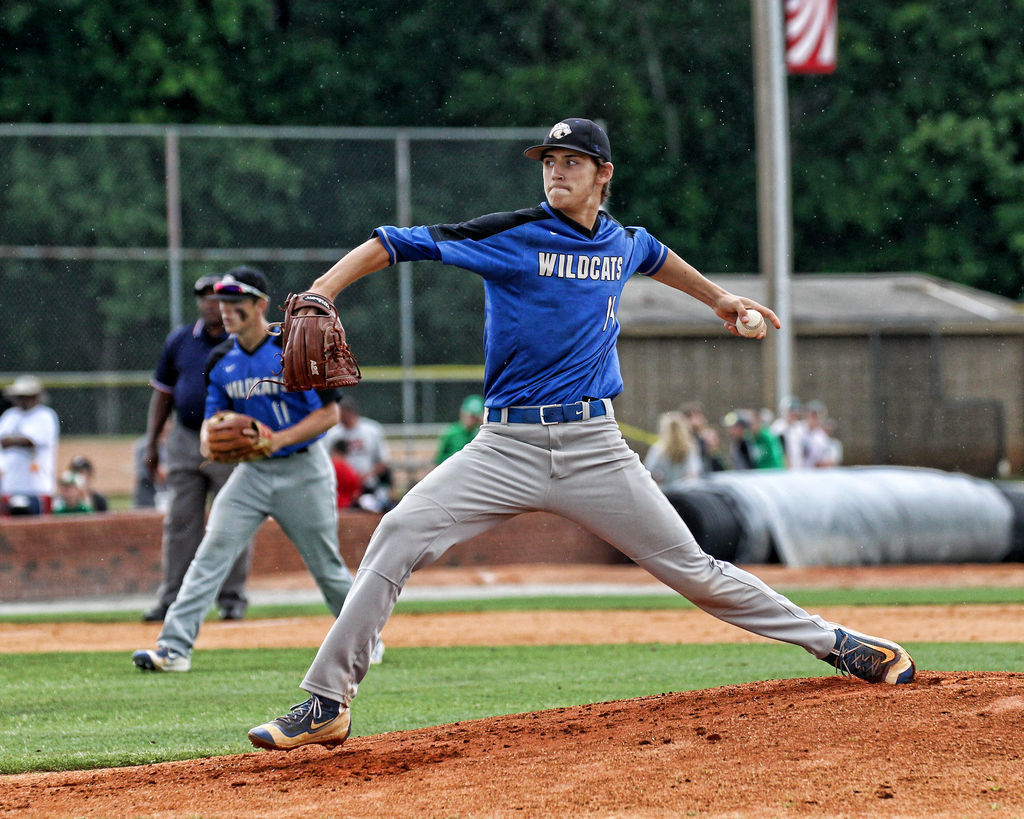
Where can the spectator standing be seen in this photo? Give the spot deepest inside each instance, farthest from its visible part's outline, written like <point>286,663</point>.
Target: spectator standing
<point>83,468</point>
<point>179,387</point>
<point>368,454</point>
<point>29,431</point>
<point>460,433</point>
<point>675,456</point>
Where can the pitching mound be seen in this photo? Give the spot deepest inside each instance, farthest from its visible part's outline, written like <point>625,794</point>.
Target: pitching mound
<point>948,744</point>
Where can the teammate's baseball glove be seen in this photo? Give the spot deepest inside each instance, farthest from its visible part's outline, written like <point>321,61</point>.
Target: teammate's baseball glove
<point>315,355</point>
<point>234,436</point>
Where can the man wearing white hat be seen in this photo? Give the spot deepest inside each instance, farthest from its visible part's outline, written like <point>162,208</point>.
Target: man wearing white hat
<point>28,450</point>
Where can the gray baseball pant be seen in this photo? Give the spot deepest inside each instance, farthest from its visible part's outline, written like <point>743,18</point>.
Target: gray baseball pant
<point>583,471</point>
<point>191,479</point>
<point>299,492</point>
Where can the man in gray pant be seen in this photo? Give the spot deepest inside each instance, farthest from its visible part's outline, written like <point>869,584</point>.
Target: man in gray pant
<point>553,276</point>
<point>179,385</point>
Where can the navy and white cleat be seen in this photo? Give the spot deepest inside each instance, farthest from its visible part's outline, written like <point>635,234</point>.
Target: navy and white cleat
<point>870,658</point>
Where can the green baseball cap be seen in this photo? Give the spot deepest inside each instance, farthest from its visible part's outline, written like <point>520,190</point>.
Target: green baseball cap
<point>473,404</point>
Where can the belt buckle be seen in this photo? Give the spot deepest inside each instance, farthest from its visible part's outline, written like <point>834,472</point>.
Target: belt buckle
<point>544,407</point>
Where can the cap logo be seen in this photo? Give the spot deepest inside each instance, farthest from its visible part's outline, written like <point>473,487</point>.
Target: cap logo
<point>560,131</point>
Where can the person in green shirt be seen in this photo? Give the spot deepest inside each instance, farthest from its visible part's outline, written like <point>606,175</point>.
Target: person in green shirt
<point>460,433</point>
<point>770,454</point>
<point>72,497</point>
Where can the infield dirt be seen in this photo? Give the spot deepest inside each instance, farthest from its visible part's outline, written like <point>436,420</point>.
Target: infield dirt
<point>949,744</point>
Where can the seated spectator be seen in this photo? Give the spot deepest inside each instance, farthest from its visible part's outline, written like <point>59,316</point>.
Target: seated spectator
<point>460,433</point>
<point>770,454</point>
<point>82,467</point>
<point>706,436</point>
<point>835,445</point>
<point>791,429</point>
<point>72,496</point>
<point>754,445</point>
<point>368,454</point>
<point>819,451</point>
<point>675,456</point>
<point>741,444</point>
<point>349,485</point>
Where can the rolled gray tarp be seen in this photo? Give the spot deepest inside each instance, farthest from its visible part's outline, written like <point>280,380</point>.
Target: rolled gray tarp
<point>860,516</point>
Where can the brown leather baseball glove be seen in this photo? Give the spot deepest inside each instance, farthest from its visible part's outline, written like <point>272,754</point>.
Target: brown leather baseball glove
<point>234,436</point>
<point>316,355</point>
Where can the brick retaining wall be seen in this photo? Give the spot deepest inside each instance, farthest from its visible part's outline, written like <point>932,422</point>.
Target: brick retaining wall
<point>119,553</point>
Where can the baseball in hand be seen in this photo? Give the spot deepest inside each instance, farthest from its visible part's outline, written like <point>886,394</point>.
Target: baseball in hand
<point>754,325</point>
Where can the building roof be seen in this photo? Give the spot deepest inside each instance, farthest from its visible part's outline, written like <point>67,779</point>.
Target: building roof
<point>837,303</point>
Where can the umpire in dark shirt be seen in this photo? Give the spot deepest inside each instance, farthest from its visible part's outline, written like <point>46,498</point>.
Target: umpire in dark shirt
<point>179,384</point>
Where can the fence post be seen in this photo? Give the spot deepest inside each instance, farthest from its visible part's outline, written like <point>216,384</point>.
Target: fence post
<point>173,182</point>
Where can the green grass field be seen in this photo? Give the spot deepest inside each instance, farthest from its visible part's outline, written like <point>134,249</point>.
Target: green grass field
<point>91,709</point>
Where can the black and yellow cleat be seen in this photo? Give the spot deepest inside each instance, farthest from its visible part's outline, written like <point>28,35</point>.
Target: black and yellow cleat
<point>317,721</point>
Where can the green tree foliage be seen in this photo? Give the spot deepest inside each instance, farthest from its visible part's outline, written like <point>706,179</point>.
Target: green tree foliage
<point>908,157</point>
<point>912,155</point>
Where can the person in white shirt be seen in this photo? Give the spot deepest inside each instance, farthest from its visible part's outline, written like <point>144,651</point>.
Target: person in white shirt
<point>791,429</point>
<point>819,451</point>
<point>28,450</point>
<point>368,454</point>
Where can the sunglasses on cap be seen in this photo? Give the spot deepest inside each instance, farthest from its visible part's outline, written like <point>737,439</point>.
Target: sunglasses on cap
<point>230,286</point>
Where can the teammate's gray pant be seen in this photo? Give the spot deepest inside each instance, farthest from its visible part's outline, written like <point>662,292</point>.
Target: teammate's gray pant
<point>299,492</point>
<point>582,471</point>
<point>191,479</point>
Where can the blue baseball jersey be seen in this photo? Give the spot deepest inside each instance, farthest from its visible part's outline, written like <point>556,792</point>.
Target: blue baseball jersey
<point>231,372</point>
<point>552,290</point>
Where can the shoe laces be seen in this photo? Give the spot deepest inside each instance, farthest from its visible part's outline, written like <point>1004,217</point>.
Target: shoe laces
<point>854,656</point>
<point>313,707</point>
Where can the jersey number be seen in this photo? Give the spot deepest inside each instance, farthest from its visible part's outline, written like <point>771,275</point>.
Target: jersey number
<point>609,315</point>
<point>281,413</point>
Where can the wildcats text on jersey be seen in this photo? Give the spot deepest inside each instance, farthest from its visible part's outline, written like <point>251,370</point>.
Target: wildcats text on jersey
<point>239,390</point>
<point>571,266</point>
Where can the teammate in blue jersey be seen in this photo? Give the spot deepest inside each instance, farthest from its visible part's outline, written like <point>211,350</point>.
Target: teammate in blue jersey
<point>295,485</point>
<point>179,391</point>
<point>549,442</point>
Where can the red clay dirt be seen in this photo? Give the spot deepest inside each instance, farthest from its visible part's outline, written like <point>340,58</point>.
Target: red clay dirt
<point>949,744</point>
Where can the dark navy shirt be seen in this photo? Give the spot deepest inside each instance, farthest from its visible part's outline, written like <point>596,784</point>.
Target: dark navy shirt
<point>181,371</point>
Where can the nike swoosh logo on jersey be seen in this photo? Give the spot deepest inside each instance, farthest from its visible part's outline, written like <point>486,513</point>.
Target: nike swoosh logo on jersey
<point>229,368</point>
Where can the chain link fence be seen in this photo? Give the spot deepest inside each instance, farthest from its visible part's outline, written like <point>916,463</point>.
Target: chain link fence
<point>103,230</point>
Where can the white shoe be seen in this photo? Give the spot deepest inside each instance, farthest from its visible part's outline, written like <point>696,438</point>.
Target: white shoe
<point>377,657</point>
<point>161,659</point>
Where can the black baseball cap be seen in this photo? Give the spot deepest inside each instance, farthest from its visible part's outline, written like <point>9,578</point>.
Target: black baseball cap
<point>241,283</point>
<point>581,135</point>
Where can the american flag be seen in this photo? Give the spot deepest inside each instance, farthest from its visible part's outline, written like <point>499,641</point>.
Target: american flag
<point>811,36</point>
